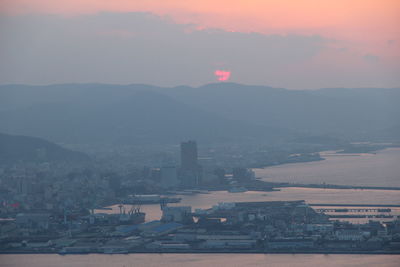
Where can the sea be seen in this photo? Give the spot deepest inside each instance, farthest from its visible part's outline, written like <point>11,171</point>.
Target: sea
<point>199,260</point>
<point>368,169</point>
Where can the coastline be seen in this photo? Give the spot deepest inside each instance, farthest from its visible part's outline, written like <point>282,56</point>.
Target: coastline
<point>338,171</point>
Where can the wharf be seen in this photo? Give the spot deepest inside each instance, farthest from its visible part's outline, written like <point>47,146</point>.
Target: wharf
<point>354,205</point>
<point>354,210</point>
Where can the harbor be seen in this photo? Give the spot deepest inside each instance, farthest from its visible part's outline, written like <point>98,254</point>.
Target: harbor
<point>226,227</point>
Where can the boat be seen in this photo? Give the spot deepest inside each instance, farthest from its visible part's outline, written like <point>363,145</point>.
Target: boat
<point>150,199</point>
<point>201,191</point>
<point>237,190</point>
<point>75,250</point>
<point>114,250</point>
<point>133,216</point>
<point>104,208</point>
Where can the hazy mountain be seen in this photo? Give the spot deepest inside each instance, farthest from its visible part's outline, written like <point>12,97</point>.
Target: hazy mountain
<point>346,113</point>
<point>127,117</point>
<point>31,149</point>
<point>223,112</point>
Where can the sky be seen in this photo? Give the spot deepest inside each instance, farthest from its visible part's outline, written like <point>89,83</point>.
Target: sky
<point>296,44</point>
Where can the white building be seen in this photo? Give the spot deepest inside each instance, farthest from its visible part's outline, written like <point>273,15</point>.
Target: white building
<point>351,235</point>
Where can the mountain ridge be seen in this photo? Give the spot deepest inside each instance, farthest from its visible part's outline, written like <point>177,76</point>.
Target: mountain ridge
<point>236,112</point>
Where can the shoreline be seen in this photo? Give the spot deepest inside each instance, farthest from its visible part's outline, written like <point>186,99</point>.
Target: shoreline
<point>283,183</point>
<point>333,186</point>
<point>335,153</point>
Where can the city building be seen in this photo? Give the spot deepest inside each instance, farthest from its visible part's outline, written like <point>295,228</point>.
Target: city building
<point>190,172</point>
<point>189,156</point>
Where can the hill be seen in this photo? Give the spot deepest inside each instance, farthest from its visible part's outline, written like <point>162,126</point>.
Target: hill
<point>31,149</point>
<point>355,114</point>
<point>129,117</point>
<point>214,113</point>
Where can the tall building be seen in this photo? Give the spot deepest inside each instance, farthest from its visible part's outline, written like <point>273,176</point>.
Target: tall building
<point>190,172</point>
<point>189,156</point>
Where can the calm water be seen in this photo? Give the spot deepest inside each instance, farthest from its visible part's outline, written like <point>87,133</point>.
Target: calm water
<point>200,260</point>
<point>380,169</point>
<point>310,195</point>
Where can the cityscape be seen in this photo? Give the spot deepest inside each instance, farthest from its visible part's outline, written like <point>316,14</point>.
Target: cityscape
<point>69,214</point>
<point>187,133</point>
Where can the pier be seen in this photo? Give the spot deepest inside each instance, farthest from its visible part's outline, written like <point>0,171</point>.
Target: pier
<point>354,205</point>
<point>354,210</point>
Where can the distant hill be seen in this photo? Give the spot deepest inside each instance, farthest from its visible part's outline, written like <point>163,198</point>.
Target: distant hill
<point>31,149</point>
<point>222,112</point>
<point>360,113</point>
<point>133,117</point>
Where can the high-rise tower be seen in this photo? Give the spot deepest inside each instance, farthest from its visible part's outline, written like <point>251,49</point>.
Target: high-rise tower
<point>190,172</point>
<point>189,156</point>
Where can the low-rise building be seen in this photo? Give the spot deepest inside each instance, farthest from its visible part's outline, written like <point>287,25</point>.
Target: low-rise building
<point>182,214</point>
<point>351,234</point>
<point>37,221</point>
<point>288,243</point>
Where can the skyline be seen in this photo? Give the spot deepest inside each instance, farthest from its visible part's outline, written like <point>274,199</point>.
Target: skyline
<point>306,45</point>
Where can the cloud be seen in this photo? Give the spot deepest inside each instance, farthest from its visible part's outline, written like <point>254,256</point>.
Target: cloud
<point>139,48</point>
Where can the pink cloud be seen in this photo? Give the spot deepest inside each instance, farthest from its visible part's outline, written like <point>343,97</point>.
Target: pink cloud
<point>222,75</point>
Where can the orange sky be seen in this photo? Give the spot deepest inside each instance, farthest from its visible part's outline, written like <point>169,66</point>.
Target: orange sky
<point>360,26</point>
<point>286,14</point>
<point>367,23</point>
<point>370,23</point>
